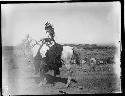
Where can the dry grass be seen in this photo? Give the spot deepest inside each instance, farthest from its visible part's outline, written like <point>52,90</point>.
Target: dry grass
<point>21,79</point>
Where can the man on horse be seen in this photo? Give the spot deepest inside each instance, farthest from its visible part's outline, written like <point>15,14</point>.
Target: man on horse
<point>53,55</point>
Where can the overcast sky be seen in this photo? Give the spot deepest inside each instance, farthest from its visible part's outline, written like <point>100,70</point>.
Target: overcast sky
<point>73,22</point>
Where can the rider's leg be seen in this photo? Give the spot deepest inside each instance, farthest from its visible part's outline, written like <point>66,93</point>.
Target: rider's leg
<point>56,72</point>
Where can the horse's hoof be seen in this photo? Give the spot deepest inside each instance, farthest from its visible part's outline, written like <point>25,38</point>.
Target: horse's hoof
<point>57,76</point>
<point>42,83</point>
<point>67,85</point>
<point>36,75</point>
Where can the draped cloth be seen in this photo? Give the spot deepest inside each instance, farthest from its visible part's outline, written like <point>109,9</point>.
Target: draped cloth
<point>53,55</point>
<point>52,61</point>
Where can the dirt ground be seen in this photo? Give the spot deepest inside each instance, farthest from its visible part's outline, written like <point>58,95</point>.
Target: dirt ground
<point>18,76</point>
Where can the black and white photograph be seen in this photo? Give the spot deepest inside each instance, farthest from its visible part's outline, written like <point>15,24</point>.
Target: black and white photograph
<point>61,48</point>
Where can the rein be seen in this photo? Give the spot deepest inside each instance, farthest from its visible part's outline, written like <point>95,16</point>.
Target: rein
<point>36,43</point>
<point>43,42</point>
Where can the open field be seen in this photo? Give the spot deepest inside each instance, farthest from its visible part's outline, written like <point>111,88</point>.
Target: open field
<point>18,72</point>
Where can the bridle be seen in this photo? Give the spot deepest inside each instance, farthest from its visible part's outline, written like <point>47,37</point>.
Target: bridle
<point>43,41</point>
<point>36,43</point>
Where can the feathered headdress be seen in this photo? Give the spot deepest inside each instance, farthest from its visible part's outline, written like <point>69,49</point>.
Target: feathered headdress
<point>48,26</point>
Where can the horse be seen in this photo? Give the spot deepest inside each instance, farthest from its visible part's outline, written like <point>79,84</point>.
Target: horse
<point>43,50</point>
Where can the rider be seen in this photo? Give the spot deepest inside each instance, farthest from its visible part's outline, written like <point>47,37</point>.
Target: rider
<point>54,53</point>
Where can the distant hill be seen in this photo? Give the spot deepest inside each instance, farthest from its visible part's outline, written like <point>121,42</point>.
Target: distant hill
<point>7,47</point>
<point>91,46</point>
<point>79,46</point>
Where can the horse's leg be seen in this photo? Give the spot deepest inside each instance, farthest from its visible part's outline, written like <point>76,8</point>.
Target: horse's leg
<point>37,64</point>
<point>69,77</point>
<point>68,66</point>
<point>43,70</point>
<point>68,81</point>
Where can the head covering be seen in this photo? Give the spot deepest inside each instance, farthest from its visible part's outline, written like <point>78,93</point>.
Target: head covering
<point>49,27</point>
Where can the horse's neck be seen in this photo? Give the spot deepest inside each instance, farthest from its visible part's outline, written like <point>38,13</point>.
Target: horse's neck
<point>40,48</point>
<point>35,50</point>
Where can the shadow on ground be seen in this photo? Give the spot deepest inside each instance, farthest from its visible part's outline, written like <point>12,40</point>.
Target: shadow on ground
<point>52,79</point>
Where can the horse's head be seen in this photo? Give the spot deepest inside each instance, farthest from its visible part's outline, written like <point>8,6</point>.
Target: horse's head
<point>32,42</point>
<point>42,45</point>
<point>47,41</point>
